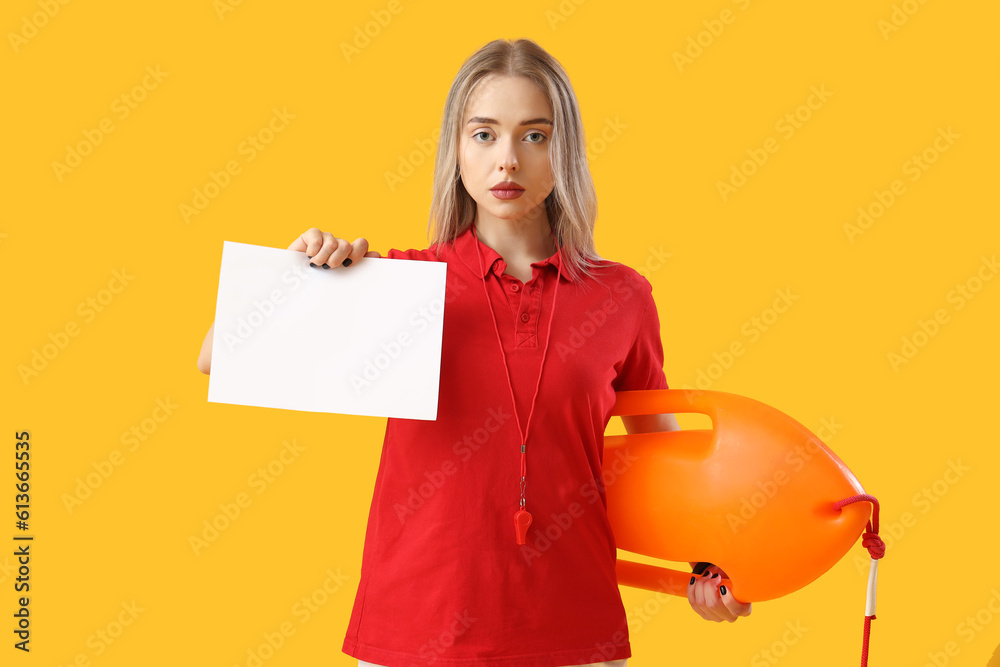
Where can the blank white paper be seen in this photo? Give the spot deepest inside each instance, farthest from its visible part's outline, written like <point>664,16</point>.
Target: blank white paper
<point>361,340</point>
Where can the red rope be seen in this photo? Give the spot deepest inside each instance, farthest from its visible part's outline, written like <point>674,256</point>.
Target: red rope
<point>864,645</point>
<point>876,549</point>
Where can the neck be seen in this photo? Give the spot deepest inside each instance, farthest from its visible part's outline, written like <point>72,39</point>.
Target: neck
<point>517,240</point>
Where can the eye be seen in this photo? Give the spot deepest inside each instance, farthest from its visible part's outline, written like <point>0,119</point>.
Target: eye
<point>541,137</point>
<point>481,132</point>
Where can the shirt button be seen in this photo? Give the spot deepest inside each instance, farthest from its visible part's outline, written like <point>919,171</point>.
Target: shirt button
<point>524,317</point>
<point>514,287</point>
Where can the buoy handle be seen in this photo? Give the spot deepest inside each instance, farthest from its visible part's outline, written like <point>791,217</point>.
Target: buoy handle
<point>656,578</point>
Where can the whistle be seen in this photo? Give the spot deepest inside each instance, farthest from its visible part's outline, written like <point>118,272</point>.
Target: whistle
<point>521,522</point>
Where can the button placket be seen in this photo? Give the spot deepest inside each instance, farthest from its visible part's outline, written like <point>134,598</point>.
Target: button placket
<point>526,322</point>
<point>512,290</point>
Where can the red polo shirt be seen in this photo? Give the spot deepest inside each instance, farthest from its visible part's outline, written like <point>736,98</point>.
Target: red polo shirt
<point>443,580</point>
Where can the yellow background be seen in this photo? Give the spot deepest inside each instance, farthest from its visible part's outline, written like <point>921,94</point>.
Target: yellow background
<point>681,131</point>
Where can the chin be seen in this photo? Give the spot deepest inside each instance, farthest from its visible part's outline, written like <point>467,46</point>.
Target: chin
<point>512,215</point>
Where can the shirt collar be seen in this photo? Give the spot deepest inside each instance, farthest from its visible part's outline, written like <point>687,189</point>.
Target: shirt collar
<point>465,247</point>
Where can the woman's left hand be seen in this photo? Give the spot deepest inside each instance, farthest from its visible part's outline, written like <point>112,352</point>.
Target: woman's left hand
<point>712,601</point>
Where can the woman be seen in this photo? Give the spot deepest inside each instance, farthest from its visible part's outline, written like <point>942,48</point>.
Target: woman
<point>488,541</point>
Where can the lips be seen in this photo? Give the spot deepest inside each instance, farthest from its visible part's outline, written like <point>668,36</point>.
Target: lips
<point>507,185</point>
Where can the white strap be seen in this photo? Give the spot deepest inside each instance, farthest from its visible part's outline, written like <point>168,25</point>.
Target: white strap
<point>872,581</point>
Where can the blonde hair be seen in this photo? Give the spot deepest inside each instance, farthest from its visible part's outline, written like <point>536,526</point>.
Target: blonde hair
<point>571,207</point>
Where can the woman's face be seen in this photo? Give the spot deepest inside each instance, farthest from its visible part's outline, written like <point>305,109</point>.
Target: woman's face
<point>505,136</point>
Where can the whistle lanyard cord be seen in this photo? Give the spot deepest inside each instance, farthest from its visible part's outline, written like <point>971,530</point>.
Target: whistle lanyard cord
<point>510,386</point>
<point>876,549</point>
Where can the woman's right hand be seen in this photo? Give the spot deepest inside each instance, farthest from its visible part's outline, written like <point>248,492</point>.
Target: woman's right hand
<point>326,250</point>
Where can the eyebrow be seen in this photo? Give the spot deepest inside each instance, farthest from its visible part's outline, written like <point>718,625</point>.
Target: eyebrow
<point>493,121</point>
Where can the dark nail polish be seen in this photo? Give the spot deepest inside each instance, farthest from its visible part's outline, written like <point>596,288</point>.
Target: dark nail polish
<point>715,574</point>
<point>326,266</point>
<point>309,256</point>
<point>313,265</point>
<point>348,262</point>
<point>691,583</point>
<point>722,589</point>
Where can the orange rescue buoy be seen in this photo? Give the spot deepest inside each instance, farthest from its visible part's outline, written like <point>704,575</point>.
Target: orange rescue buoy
<point>754,495</point>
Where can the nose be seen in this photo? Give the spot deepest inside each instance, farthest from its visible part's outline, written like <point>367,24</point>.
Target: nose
<point>508,157</point>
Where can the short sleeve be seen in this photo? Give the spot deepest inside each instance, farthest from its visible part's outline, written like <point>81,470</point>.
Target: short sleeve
<point>426,255</point>
<point>404,254</point>
<point>642,367</point>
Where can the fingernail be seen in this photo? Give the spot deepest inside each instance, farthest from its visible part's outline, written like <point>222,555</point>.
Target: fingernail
<point>326,266</point>
<point>715,574</point>
<point>348,262</point>
<point>691,583</point>
<point>722,589</point>
<point>309,256</point>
